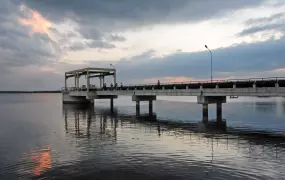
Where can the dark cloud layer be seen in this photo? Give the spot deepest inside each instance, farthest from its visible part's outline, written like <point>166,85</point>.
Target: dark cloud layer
<point>146,11</point>
<point>275,22</point>
<point>100,21</point>
<point>97,17</point>
<point>246,58</point>
<point>18,47</point>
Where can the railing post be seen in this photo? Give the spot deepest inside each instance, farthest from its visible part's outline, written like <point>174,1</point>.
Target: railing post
<point>88,81</point>
<point>75,80</point>
<point>65,82</point>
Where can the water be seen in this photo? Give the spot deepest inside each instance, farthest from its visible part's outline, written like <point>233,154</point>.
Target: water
<point>41,139</point>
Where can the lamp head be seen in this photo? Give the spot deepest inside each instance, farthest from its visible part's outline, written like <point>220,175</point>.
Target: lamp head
<point>206,46</point>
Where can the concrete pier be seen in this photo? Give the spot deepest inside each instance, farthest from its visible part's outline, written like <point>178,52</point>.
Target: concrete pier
<point>67,99</point>
<point>112,104</point>
<point>219,111</point>
<point>206,100</point>
<point>205,112</point>
<point>150,109</point>
<point>138,108</point>
<point>207,92</point>
<point>143,98</point>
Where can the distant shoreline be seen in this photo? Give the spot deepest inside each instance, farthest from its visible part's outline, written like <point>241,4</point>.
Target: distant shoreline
<point>28,92</point>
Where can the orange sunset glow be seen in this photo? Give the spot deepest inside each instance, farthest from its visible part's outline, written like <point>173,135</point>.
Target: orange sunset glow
<point>43,162</point>
<point>36,21</point>
<point>181,79</point>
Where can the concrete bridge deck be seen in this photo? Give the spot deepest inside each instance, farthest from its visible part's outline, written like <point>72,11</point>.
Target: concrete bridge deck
<point>207,92</point>
<point>243,87</point>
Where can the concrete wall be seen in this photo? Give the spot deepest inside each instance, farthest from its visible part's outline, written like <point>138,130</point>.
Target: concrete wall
<point>67,99</point>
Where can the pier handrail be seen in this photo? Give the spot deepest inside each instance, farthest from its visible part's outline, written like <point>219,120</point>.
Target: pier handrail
<point>275,79</point>
<point>213,81</point>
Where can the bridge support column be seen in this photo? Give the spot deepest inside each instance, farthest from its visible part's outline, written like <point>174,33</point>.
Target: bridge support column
<point>65,82</point>
<point>205,100</point>
<point>150,110</point>
<point>139,98</point>
<point>112,104</point>
<point>219,111</point>
<point>205,112</point>
<point>111,97</point>
<point>138,108</point>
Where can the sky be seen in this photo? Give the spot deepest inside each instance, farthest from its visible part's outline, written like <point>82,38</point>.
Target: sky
<point>145,40</point>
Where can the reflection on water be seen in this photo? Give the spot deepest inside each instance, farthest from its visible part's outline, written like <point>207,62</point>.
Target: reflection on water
<point>42,161</point>
<point>146,147</point>
<point>36,162</point>
<point>83,142</point>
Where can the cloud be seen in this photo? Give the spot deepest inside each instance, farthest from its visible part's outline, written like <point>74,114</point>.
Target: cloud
<point>114,37</point>
<point>265,20</point>
<point>35,34</point>
<point>242,59</point>
<point>17,46</point>
<point>101,45</point>
<point>275,22</point>
<point>36,21</point>
<point>146,11</point>
<point>24,42</point>
<point>96,18</point>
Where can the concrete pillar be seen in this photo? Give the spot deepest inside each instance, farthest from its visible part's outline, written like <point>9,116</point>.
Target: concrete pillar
<point>112,104</point>
<point>219,111</point>
<point>205,112</point>
<point>75,81</point>
<point>103,80</point>
<point>150,110</point>
<point>138,108</point>
<point>78,81</point>
<point>65,82</point>
<point>115,77</point>
<point>88,81</point>
<point>100,78</point>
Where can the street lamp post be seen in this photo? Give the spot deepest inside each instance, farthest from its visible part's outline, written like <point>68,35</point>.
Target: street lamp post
<point>211,63</point>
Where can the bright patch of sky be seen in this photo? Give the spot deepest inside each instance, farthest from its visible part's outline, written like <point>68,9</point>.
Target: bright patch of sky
<point>166,39</point>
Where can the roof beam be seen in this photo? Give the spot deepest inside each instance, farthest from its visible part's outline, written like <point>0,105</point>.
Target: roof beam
<point>91,70</point>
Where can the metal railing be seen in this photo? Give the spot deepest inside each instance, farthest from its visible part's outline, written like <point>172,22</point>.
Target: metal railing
<point>201,82</point>
<point>214,81</point>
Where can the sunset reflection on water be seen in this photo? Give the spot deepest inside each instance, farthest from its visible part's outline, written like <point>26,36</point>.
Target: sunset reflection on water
<point>42,160</point>
<point>39,161</point>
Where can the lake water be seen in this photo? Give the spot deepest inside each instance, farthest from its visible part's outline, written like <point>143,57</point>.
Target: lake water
<point>42,139</point>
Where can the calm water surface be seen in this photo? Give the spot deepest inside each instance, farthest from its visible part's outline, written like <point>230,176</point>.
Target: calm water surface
<point>42,139</point>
